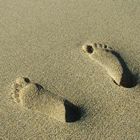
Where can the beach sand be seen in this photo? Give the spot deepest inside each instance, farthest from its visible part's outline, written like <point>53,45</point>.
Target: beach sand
<point>42,40</point>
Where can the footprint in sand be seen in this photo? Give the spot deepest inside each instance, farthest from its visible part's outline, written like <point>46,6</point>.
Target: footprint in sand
<point>33,96</point>
<point>112,62</point>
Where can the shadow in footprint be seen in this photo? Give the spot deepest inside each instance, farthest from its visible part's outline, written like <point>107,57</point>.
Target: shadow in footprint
<point>39,87</point>
<point>73,113</point>
<point>128,79</point>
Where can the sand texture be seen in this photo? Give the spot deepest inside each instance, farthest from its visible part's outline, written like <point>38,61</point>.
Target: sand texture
<point>33,96</point>
<point>112,62</point>
<point>42,40</point>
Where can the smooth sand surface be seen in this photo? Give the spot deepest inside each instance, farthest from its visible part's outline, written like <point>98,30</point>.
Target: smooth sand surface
<point>42,40</point>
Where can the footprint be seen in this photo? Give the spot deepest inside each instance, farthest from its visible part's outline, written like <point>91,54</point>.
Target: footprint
<point>17,85</point>
<point>33,96</point>
<point>112,62</point>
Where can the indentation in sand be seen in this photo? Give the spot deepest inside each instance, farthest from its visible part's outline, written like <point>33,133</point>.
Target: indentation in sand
<point>112,62</point>
<point>33,96</point>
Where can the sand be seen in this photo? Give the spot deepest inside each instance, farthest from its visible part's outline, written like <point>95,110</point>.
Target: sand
<point>112,62</point>
<point>33,96</point>
<point>42,40</point>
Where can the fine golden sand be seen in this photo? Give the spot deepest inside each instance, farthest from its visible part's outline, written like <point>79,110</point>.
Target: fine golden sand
<point>43,40</point>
